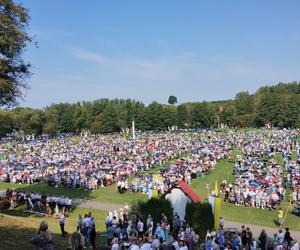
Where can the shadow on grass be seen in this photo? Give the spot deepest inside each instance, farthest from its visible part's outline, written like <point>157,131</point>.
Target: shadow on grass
<point>19,212</point>
<point>16,237</point>
<point>72,193</point>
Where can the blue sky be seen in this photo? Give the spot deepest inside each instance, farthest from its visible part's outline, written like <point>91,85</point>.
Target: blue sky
<point>148,50</point>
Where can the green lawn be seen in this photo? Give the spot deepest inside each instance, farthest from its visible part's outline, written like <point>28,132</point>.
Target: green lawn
<point>44,188</point>
<point>17,228</point>
<point>107,194</point>
<point>256,216</point>
<point>223,170</point>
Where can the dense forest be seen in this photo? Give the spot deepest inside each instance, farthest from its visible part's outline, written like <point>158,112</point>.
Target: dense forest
<point>277,105</point>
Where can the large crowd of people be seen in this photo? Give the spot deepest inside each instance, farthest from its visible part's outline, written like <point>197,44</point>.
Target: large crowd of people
<point>95,161</point>
<point>264,170</point>
<point>266,165</point>
<point>138,234</point>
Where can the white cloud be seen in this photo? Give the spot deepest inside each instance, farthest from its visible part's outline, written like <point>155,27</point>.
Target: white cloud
<point>90,56</point>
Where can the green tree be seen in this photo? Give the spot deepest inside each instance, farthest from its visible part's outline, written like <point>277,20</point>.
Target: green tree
<point>109,120</point>
<point>244,103</point>
<point>182,116</point>
<point>6,122</point>
<point>272,109</point>
<point>154,117</point>
<point>13,40</point>
<point>51,123</point>
<point>155,207</point>
<point>172,100</point>
<point>200,217</point>
<point>227,114</point>
<point>80,117</point>
<point>28,120</point>
<point>203,115</point>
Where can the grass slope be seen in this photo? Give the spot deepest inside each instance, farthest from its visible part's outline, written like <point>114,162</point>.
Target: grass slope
<point>107,194</point>
<point>17,228</point>
<point>223,170</point>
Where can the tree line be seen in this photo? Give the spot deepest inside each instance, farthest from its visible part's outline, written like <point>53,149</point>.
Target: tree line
<point>278,106</point>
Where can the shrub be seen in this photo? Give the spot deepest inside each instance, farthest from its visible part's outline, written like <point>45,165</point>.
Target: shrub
<point>155,207</point>
<point>200,217</point>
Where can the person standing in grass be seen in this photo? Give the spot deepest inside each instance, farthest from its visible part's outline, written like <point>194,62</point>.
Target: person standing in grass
<point>221,223</point>
<point>280,217</point>
<point>62,225</point>
<point>93,236</point>
<point>79,224</point>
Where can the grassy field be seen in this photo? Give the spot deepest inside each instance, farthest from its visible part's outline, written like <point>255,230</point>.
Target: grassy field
<point>21,227</point>
<point>223,170</point>
<point>256,216</point>
<point>107,194</point>
<point>17,228</point>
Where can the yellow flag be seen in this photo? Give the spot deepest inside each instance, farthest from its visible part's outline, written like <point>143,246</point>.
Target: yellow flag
<point>217,212</point>
<point>155,193</point>
<point>216,189</point>
<point>158,178</point>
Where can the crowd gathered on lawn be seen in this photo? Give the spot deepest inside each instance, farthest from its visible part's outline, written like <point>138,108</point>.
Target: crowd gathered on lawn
<point>267,164</point>
<point>260,180</point>
<point>97,161</point>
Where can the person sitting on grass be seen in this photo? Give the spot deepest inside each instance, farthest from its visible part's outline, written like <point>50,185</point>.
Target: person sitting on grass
<point>44,238</point>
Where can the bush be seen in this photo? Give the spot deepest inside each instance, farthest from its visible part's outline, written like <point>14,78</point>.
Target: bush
<point>200,217</point>
<point>155,207</point>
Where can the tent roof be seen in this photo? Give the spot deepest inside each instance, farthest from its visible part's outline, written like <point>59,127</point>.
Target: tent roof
<point>188,191</point>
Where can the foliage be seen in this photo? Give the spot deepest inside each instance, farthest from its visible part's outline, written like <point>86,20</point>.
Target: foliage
<point>13,39</point>
<point>200,217</point>
<point>155,207</point>
<point>6,122</point>
<point>172,100</point>
<point>269,105</point>
<point>203,115</point>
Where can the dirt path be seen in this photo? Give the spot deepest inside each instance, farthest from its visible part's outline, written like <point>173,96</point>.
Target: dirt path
<point>98,205</point>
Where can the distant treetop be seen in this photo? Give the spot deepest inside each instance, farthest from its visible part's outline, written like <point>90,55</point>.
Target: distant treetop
<point>172,100</point>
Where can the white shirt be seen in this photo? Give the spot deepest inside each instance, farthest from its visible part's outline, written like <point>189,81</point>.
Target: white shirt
<point>155,243</point>
<point>141,226</point>
<point>146,246</point>
<point>295,246</point>
<point>183,248</point>
<point>134,247</point>
<point>62,219</point>
<point>115,246</point>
